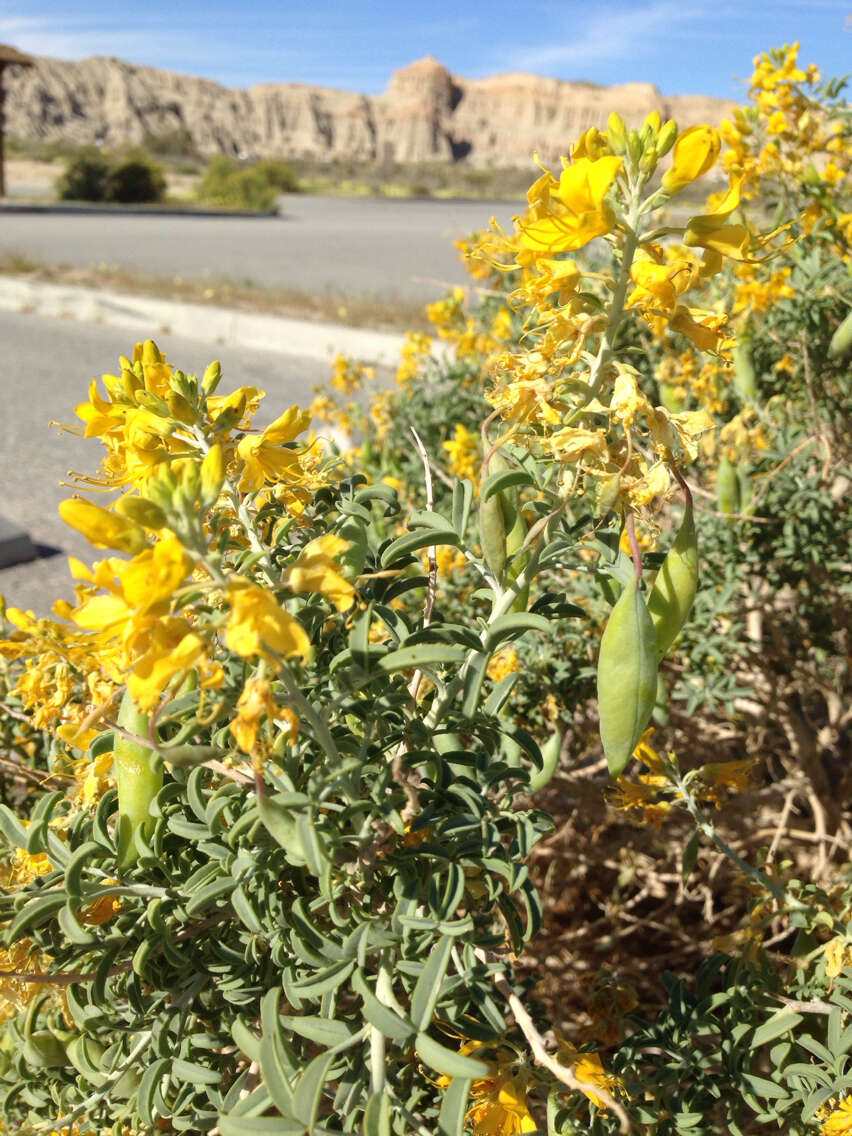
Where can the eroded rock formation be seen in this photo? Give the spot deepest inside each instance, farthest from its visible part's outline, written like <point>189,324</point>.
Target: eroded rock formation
<point>426,114</point>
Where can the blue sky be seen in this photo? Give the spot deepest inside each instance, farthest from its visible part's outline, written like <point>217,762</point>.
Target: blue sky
<point>684,46</point>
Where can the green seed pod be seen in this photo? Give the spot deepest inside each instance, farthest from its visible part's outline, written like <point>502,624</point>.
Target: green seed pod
<point>744,380</point>
<point>660,713</point>
<point>674,589</point>
<point>627,677</point>
<point>841,341</point>
<point>727,487</point>
<point>493,524</point>
<point>492,534</point>
<point>550,752</point>
<point>139,775</point>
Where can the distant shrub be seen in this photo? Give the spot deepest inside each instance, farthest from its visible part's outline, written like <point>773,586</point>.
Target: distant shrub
<point>279,175</point>
<point>129,178</point>
<point>232,186</point>
<point>136,180</point>
<point>176,143</point>
<point>86,176</point>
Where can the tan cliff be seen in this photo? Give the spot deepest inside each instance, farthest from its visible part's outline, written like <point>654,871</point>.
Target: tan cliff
<point>426,114</point>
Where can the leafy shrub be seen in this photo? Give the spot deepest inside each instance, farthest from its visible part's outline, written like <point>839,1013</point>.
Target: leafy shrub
<point>92,175</point>
<point>278,174</point>
<point>86,176</point>
<point>135,180</point>
<point>290,875</point>
<point>231,185</point>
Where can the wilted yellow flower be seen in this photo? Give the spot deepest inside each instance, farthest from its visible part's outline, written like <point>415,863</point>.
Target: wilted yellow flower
<point>255,702</point>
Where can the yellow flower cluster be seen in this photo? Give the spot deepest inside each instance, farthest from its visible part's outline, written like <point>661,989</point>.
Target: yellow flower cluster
<point>175,603</point>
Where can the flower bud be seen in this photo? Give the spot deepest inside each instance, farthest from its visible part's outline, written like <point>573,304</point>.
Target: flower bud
<point>142,511</point>
<point>151,352</point>
<point>617,133</point>
<point>212,475</point>
<point>185,385</point>
<point>212,377</point>
<point>666,137</point>
<point>654,120</point>
<point>634,145</point>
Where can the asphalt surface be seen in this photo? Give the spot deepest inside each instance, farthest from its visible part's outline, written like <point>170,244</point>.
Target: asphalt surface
<point>335,245</point>
<point>46,366</point>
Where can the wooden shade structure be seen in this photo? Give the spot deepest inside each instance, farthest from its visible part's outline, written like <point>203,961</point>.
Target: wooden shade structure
<point>9,57</point>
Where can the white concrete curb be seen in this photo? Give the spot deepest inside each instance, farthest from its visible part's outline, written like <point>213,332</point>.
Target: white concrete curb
<point>207,324</point>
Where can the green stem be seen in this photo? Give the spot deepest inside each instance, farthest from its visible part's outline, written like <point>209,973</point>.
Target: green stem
<point>501,606</point>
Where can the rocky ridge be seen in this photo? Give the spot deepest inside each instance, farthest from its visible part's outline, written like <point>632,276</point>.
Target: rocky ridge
<point>426,114</point>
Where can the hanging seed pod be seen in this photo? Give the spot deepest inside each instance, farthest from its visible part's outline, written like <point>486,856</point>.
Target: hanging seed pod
<point>841,341</point>
<point>492,522</point>
<point>627,677</point>
<point>674,589</point>
<point>139,776</point>
<point>727,487</point>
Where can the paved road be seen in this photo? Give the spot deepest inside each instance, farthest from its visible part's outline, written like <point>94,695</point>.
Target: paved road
<point>372,247</point>
<point>45,369</point>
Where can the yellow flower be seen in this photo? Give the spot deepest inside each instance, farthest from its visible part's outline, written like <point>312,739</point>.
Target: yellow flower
<point>317,570</point>
<point>695,152</point>
<point>711,230</point>
<point>462,453</point>
<point>720,777</point>
<point>503,663</point>
<point>589,1070</point>
<point>102,909</point>
<point>169,649</point>
<point>838,954</point>
<point>101,527</point>
<point>839,1122</point>
<point>576,212</point>
<point>258,625</point>
<point>266,457</point>
<point>500,1108</point>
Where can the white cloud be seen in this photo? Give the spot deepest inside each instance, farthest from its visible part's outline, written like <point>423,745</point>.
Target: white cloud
<point>613,33</point>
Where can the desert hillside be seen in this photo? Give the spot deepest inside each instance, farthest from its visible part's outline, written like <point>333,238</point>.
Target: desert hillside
<point>426,114</point>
